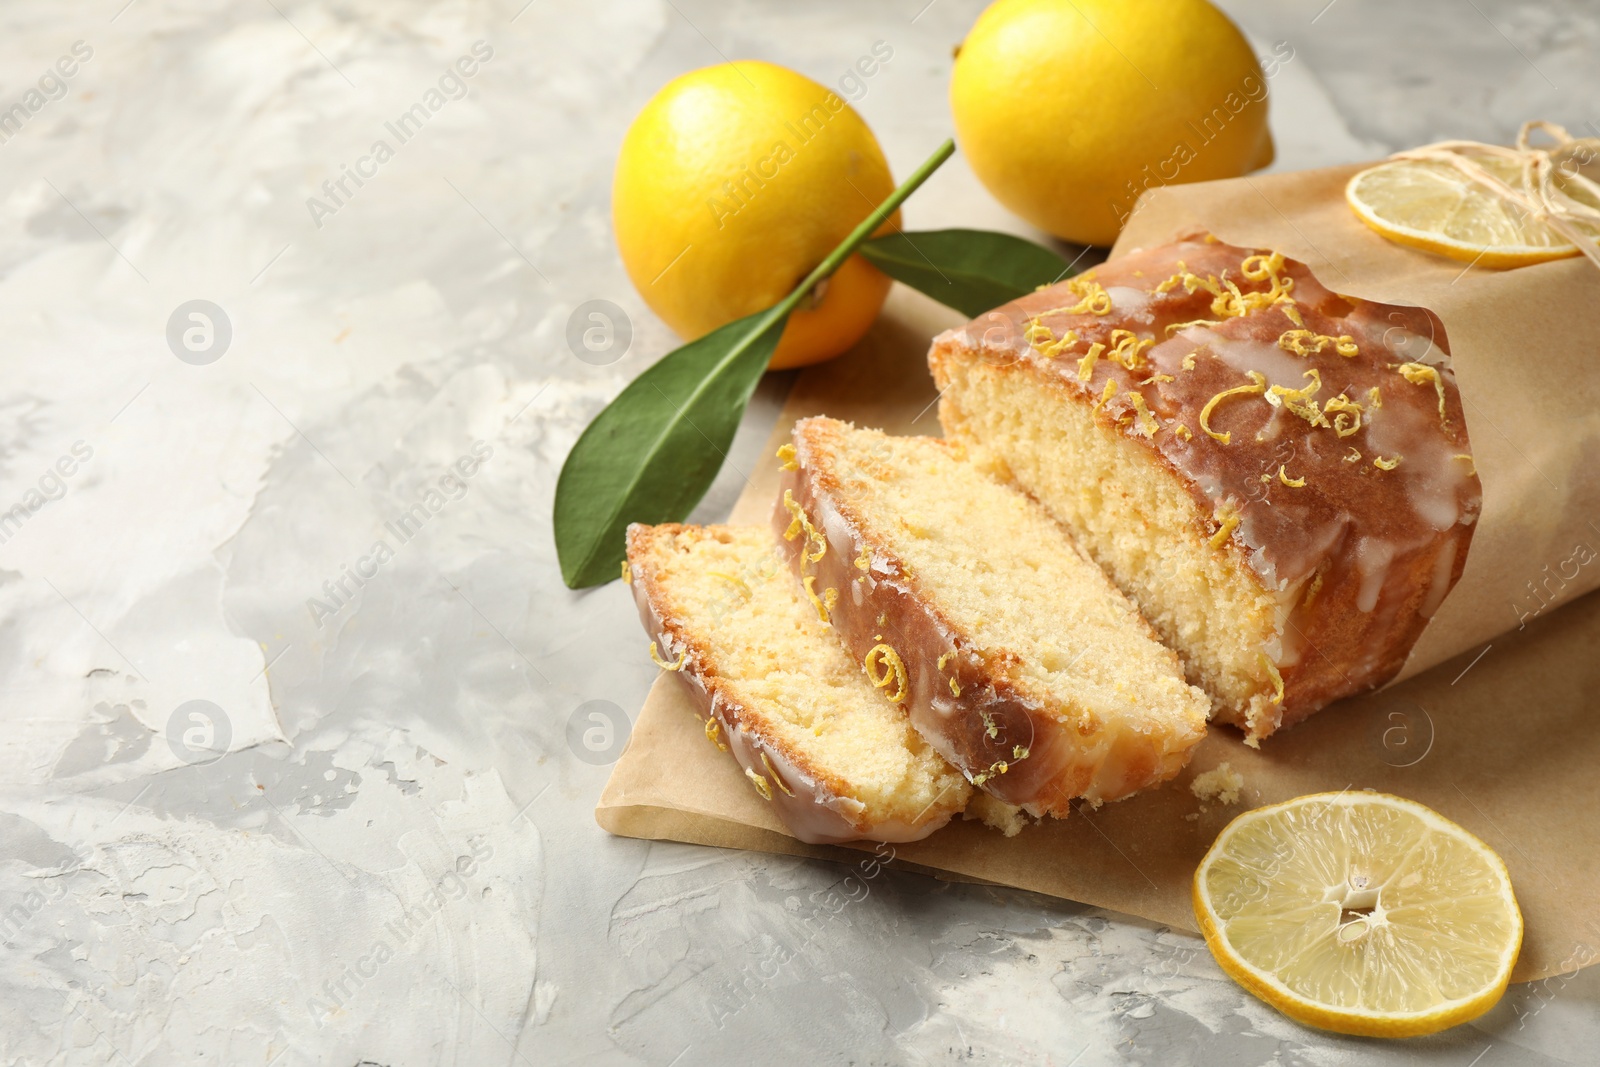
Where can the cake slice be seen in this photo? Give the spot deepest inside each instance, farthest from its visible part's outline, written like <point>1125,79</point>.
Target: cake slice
<point>1279,476</point>
<point>835,759</point>
<point>1014,655</point>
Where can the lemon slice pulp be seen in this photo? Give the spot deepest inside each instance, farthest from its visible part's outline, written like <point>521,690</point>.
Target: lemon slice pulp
<point>1361,913</point>
<point>1431,205</point>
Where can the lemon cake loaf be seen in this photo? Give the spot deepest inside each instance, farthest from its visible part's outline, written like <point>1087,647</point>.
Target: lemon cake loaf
<point>1278,475</point>
<point>1014,655</point>
<point>836,760</point>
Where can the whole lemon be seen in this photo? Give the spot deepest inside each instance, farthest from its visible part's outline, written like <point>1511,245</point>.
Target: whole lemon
<point>1069,109</point>
<point>733,183</point>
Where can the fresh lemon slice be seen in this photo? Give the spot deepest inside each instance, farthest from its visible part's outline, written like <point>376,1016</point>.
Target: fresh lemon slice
<point>1431,205</point>
<point>1361,913</point>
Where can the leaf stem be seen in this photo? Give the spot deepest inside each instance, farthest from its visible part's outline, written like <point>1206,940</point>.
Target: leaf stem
<point>859,235</point>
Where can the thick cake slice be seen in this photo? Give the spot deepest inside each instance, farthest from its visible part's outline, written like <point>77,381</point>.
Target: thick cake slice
<point>816,740</point>
<point>1014,654</point>
<point>1279,476</point>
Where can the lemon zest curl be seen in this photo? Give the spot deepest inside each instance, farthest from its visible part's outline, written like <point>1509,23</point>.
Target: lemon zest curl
<point>655,657</point>
<point>777,779</point>
<point>800,522</point>
<point>1228,515</point>
<point>825,603</point>
<point>713,730</point>
<point>893,668</point>
<point>1257,386</point>
<point>1086,364</point>
<point>1277,679</point>
<point>1148,423</point>
<point>1422,374</point>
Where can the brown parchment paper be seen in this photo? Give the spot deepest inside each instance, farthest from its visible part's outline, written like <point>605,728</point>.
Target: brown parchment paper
<point>1498,735</point>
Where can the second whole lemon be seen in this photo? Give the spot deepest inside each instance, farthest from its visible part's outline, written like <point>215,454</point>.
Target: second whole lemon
<point>733,183</point>
<point>1069,109</point>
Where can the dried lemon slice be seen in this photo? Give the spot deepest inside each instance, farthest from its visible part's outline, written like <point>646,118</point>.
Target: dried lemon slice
<point>1361,913</point>
<point>1432,205</point>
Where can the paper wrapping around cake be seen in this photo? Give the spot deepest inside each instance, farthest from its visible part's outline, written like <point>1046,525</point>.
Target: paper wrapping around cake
<point>1497,738</point>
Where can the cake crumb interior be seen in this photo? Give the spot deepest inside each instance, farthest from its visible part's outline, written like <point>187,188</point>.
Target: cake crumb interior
<point>1132,517</point>
<point>1004,574</point>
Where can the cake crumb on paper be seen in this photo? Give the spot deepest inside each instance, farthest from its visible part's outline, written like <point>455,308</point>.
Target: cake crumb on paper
<point>996,814</point>
<point>1222,784</point>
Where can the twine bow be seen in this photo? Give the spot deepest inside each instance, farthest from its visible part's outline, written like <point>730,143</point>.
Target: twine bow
<point>1547,173</point>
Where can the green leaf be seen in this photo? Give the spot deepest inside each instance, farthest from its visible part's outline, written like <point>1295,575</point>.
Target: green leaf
<point>972,271</point>
<point>654,451</point>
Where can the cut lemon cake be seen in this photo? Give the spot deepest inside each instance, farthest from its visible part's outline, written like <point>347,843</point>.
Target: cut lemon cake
<point>836,760</point>
<point>1278,475</point>
<point>1015,656</point>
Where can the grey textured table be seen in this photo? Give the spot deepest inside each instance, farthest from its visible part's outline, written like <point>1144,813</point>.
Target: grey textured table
<point>327,523</point>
